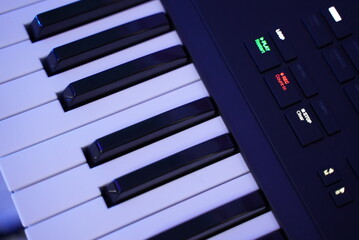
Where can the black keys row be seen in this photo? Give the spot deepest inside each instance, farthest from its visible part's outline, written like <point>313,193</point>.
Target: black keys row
<point>75,14</point>
<point>148,131</point>
<point>167,169</point>
<point>218,220</point>
<point>123,76</point>
<point>87,49</point>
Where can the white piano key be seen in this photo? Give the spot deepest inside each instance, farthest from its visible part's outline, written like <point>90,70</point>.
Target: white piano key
<point>187,210</point>
<point>50,120</point>
<point>64,152</point>
<point>37,88</point>
<point>9,220</point>
<point>15,65</point>
<point>62,190</point>
<point>93,219</point>
<point>252,229</point>
<point>13,23</point>
<point>6,6</point>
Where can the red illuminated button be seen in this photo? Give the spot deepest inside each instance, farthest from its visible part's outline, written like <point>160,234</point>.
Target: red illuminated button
<point>283,88</point>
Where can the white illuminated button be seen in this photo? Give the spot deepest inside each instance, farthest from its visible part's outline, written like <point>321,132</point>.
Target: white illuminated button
<point>283,43</point>
<point>341,196</point>
<point>329,176</point>
<point>337,22</point>
<point>336,16</point>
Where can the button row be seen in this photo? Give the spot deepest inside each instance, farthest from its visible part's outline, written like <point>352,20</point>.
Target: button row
<point>306,125</point>
<point>284,87</point>
<point>330,176</point>
<point>263,53</point>
<point>340,195</point>
<point>318,29</point>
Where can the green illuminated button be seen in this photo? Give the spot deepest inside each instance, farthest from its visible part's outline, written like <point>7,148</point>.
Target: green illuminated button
<point>262,52</point>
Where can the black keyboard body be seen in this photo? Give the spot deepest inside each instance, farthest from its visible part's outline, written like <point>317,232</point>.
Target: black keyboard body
<point>301,149</point>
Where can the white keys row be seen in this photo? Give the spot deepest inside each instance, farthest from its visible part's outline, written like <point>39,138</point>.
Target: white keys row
<point>6,5</point>
<point>37,88</point>
<point>252,229</point>
<point>24,58</point>
<point>186,210</point>
<point>81,184</point>
<point>13,23</point>
<point>50,120</point>
<point>93,219</point>
<point>64,152</point>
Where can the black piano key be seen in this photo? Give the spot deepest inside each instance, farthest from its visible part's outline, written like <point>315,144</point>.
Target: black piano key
<point>60,19</point>
<point>123,76</point>
<point>148,131</point>
<point>167,169</point>
<point>106,42</point>
<point>217,220</point>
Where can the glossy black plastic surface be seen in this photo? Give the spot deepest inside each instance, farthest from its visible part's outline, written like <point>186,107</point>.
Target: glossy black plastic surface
<point>148,131</point>
<point>217,220</point>
<point>95,46</point>
<point>60,19</point>
<point>286,171</point>
<point>167,169</point>
<point>123,76</point>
